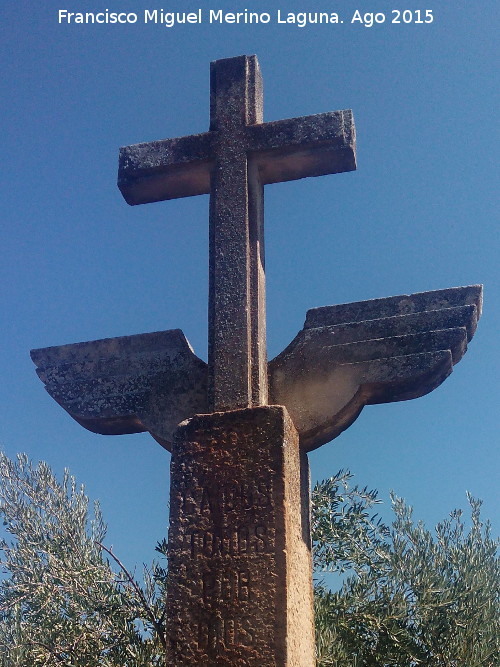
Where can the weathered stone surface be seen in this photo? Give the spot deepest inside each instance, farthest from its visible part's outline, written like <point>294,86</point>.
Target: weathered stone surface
<point>398,325</point>
<point>239,588</point>
<point>347,357</point>
<point>282,150</point>
<point>149,382</point>
<point>233,161</point>
<point>167,169</point>
<point>404,304</point>
<point>318,145</point>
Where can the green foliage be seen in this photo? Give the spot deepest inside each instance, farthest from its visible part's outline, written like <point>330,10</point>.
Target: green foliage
<point>61,603</point>
<point>409,597</point>
<point>412,597</point>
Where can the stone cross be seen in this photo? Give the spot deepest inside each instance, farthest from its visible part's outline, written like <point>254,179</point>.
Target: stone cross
<point>240,586</point>
<point>233,161</point>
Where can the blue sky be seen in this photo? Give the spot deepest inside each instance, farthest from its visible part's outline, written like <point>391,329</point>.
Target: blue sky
<point>420,213</point>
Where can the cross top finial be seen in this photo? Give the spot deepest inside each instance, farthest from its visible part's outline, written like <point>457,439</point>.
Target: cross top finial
<point>236,95</point>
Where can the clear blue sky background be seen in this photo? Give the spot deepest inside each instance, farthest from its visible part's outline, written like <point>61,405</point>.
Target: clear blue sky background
<point>419,214</point>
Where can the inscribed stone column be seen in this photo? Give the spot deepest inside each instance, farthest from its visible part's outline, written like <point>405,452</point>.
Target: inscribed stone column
<point>240,589</point>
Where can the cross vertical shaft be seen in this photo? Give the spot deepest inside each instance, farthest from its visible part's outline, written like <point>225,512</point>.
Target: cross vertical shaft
<point>232,162</point>
<point>237,347</point>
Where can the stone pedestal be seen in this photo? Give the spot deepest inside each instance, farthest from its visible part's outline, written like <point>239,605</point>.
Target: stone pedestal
<point>240,575</point>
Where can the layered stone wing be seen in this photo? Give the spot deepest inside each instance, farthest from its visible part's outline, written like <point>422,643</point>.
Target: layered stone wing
<point>148,382</point>
<point>377,351</point>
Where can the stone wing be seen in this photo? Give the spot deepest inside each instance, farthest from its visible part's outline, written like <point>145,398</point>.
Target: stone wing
<point>148,382</point>
<point>351,355</point>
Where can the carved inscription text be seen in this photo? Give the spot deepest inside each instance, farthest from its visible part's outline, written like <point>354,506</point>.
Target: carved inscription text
<point>227,551</point>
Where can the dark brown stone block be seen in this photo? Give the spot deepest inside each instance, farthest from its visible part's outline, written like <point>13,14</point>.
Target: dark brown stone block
<point>240,589</point>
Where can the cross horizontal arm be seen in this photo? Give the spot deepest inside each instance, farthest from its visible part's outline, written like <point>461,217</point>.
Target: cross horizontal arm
<point>294,148</point>
<point>167,169</point>
<point>284,150</point>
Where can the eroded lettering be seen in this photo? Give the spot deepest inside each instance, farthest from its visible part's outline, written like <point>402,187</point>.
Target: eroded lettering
<point>233,585</point>
<point>229,542</point>
<point>225,632</point>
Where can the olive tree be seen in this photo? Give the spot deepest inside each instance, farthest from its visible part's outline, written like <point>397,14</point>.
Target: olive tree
<point>61,602</point>
<point>405,596</point>
<point>409,596</point>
